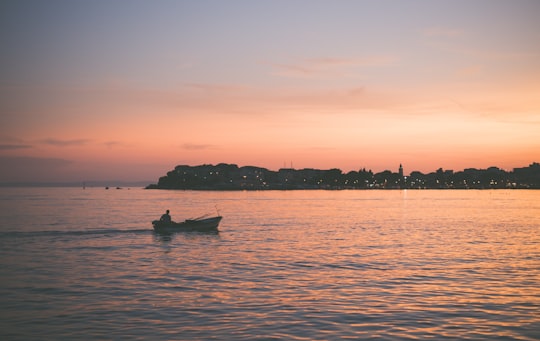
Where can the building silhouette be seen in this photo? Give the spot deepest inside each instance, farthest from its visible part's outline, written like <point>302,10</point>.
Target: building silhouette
<point>231,177</point>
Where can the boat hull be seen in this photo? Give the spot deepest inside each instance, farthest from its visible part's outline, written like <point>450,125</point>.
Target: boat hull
<point>202,225</point>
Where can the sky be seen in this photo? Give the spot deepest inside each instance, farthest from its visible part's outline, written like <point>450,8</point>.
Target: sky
<point>127,90</point>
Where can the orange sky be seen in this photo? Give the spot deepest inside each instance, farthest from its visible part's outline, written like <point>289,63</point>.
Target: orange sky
<point>101,90</point>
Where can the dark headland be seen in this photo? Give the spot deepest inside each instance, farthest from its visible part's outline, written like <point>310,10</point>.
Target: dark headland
<point>231,177</point>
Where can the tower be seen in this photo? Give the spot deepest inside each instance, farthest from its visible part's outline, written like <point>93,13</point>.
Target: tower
<point>401,177</point>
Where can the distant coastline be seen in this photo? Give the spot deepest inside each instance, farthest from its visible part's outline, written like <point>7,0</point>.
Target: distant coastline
<point>82,184</point>
<point>231,177</point>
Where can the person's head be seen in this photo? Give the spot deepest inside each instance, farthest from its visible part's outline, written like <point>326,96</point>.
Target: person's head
<point>167,211</point>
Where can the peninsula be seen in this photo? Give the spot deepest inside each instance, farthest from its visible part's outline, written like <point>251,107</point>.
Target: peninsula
<point>231,177</point>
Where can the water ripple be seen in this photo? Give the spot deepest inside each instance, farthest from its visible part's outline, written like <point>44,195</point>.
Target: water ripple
<point>309,265</point>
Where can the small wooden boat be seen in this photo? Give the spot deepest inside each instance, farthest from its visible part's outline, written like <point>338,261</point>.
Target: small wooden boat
<point>202,225</point>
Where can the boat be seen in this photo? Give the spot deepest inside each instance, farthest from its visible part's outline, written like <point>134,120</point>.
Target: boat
<point>200,224</point>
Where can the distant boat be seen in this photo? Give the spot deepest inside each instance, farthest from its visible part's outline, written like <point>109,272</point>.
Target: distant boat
<point>202,225</point>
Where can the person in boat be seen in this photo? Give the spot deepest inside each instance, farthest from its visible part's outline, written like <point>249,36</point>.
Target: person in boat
<point>166,217</point>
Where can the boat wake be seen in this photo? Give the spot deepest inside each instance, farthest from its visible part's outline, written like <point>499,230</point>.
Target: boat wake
<point>53,233</point>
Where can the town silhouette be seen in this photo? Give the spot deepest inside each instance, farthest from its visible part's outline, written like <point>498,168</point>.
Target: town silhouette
<point>231,177</point>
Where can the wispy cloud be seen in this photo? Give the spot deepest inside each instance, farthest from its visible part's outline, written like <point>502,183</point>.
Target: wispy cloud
<point>64,143</point>
<point>14,146</point>
<point>193,146</point>
<point>215,87</point>
<point>29,160</point>
<point>328,66</point>
<point>357,62</point>
<point>113,144</point>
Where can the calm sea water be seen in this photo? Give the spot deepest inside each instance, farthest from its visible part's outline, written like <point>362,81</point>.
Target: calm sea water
<point>285,265</point>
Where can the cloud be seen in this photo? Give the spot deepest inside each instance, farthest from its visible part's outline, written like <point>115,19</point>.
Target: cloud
<point>14,146</point>
<point>64,143</point>
<point>322,63</point>
<point>32,161</point>
<point>221,88</point>
<point>112,144</point>
<point>292,70</point>
<point>192,146</point>
<point>318,67</point>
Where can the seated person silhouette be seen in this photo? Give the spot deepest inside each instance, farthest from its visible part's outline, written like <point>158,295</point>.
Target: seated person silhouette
<point>166,217</point>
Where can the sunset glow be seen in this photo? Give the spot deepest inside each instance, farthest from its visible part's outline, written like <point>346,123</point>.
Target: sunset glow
<point>127,90</point>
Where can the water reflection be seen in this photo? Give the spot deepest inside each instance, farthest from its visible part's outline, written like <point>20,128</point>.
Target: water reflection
<point>287,265</point>
<point>166,237</point>
<point>163,237</point>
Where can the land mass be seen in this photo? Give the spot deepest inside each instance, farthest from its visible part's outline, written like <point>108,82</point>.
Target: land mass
<point>231,177</point>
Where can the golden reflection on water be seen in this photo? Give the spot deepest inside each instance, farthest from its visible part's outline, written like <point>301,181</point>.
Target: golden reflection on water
<point>290,265</point>
<point>448,254</point>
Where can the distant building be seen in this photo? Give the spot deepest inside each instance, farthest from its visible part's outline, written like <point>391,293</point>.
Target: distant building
<point>401,177</point>
<point>232,177</point>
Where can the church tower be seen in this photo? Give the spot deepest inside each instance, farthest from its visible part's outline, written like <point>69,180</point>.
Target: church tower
<point>401,177</point>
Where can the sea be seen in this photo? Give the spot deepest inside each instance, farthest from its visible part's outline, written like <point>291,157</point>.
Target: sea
<point>85,264</point>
